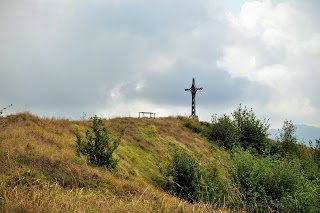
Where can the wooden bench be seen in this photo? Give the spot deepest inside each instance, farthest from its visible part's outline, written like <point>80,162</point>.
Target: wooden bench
<point>148,113</point>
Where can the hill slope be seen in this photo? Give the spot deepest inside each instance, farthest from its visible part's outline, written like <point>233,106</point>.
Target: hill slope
<point>40,172</point>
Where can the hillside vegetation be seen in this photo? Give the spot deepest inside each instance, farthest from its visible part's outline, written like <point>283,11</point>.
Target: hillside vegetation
<point>41,172</point>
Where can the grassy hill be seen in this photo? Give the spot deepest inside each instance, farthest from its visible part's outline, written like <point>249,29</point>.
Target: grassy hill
<point>40,171</point>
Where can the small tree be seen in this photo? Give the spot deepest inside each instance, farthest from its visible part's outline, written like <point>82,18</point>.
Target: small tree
<point>253,131</point>
<point>287,137</point>
<point>99,145</point>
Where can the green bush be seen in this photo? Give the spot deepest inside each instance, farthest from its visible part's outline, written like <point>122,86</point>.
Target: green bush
<point>99,145</point>
<point>183,175</point>
<point>223,131</point>
<point>187,179</point>
<point>242,128</point>
<point>253,131</point>
<point>287,138</point>
<point>273,184</point>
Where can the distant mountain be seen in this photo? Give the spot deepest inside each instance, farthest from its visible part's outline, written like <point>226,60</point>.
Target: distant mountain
<point>304,133</point>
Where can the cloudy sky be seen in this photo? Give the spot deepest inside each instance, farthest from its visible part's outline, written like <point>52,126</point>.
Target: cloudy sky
<point>118,57</point>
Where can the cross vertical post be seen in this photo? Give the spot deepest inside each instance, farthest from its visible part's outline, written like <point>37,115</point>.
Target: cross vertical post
<point>193,89</point>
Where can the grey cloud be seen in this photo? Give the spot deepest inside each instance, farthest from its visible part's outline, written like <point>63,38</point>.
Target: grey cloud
<point>145,18</point>
<point>68,56</point>
<point>83,51</point>
<point>219,89</point>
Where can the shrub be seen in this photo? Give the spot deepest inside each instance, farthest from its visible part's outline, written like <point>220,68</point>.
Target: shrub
<point>99,145</point>
<point>253,131</point>
<point>242,128</point>
<point>287,138</point>
<point>194,182</point>
<point>183,175</point>
<point>277,184</point>
<point>223,131</point>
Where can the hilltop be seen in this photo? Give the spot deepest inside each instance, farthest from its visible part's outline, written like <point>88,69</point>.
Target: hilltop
<point>40,171</point>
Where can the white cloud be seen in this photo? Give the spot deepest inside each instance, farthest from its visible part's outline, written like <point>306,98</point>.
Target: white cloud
<point>277,45</point>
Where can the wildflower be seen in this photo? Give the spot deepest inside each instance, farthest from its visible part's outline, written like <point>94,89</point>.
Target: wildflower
<point>65,203</point>
<point>100,203</point>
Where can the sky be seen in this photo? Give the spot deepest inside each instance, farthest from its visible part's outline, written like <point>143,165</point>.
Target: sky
<point>115,58</point>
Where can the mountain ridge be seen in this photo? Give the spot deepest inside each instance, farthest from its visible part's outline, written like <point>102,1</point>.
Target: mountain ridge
<point>304,133</point>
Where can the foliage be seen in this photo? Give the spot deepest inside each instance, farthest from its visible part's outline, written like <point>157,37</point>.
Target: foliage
<point>316,151</point>
<point>252,130</point>
<point>277,184</point>
<point>99,145</point>
<point>188,179</point>
<point>287,138</point>
<point>223,131</point>
<point>287,147</point>
<point>183,175</point>
<point>243,128</point>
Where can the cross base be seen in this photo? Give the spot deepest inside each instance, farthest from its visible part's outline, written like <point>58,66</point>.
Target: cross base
<point>194,117</point>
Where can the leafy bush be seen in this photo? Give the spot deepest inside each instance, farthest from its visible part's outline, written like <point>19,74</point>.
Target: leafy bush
<point>183,175</point>
<point>277,184</point>
<point>252,130</point>
<point>287,138</point>
<point>187,179</point>
<point>223,131</point>
<point>99,145</point>
<point>242,128</point>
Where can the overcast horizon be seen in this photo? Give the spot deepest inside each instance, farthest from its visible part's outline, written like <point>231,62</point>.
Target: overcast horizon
<point>115,58</point>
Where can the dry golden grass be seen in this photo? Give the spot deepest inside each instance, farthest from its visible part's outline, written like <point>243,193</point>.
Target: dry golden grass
<point>40,172</point>
<point>52,198</point>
